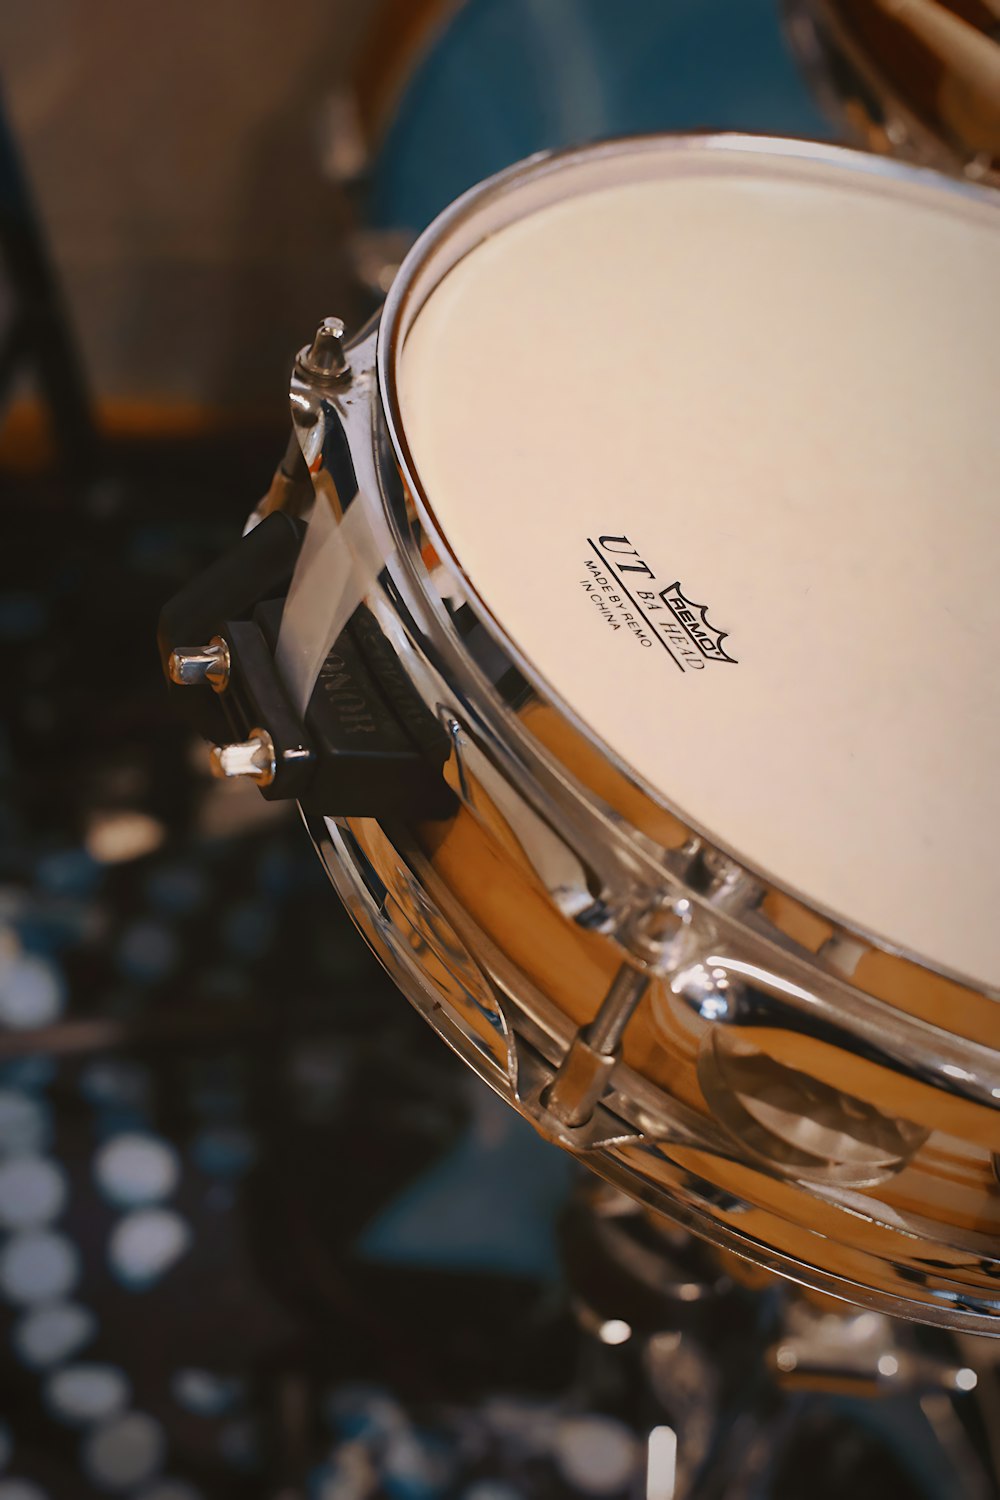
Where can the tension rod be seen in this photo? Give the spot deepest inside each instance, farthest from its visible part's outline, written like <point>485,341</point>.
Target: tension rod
<point>585,1071</point>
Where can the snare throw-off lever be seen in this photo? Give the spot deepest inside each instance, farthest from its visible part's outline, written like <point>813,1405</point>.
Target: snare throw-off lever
<point>365,745</point>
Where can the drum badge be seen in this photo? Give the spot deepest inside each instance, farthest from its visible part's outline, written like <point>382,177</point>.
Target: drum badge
<point>693,618</point>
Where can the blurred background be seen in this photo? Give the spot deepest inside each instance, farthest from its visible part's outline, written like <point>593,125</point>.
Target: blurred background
<point>260,1235</point>
<point>205,175</point>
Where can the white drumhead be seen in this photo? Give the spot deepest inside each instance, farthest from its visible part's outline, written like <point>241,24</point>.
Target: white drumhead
<point>777,400</point>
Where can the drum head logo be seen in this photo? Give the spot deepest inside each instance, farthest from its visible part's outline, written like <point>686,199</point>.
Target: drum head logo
<point>693,619</point>
<point>626,590</point>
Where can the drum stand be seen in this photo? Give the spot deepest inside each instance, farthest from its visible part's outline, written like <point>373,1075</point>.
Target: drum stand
<point>735,1367</point>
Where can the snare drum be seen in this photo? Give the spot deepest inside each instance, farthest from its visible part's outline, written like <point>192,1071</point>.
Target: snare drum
<point>636,676</point>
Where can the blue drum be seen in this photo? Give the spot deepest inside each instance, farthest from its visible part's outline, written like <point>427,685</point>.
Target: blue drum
<point>488,82</point>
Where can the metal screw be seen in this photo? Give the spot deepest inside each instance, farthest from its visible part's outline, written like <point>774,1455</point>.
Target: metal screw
<point>191,666</point>
<point>253,758</point>
<point>325,356</point>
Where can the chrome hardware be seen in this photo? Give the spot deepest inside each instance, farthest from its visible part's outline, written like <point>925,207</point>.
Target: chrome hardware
<point>799,1126</point>
<point>586,1069</point>
<point>582,1079</point>
<point>192,666</point>
<point>861,1356</point>
<point>606,1030</point>
<point>709,990</point>
<point>324,358</point>
<point>735,991</point>
<point>253,758</point>
<point>636,1121</point>
<point>661,935</point>
<point>598,1131</point>
<point>730,887</point>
